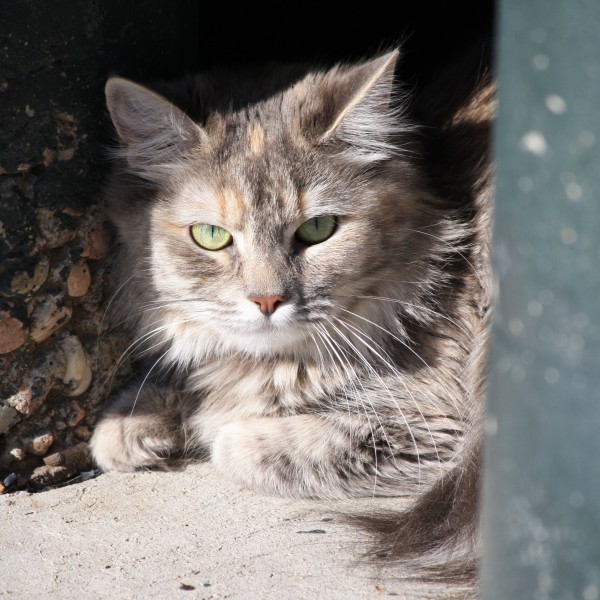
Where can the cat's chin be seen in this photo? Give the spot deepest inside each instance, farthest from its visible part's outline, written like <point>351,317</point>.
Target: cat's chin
<point>268,340</point>
<point>256,335</point>
<point>190,344</point>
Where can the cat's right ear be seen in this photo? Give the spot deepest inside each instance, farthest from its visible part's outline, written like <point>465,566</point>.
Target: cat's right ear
<point>154,134</point>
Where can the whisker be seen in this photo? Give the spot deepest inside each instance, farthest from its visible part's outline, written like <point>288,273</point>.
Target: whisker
<point>416,354</point>
<point>389,361</point>
<point>372,370</point>
<point>323,336</point>
<point>112,298</point>
<point>141,340</point>
<point>454,248</point>
<point>327,338</point>
<point>402,379</point>
<point>333,362</point>
<point>420,307</point>
<point>144,381</point>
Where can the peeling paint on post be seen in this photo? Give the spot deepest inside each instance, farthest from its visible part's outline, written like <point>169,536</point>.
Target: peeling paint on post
<point>541,492</point>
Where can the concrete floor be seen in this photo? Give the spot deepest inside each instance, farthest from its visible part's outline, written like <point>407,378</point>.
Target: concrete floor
<point>186,534</point>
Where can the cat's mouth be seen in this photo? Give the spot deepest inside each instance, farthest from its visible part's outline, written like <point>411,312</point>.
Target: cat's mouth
<point>279,331</point>
<point>269,339</point>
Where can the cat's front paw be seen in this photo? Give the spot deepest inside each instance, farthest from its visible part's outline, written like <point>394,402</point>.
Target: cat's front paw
<point>123,443</point>
<point>267,456</point>
<point>142,432</point>
<point>239,452</point>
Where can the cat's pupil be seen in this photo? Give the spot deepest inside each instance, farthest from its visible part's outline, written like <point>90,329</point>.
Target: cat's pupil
<point>316,230</point>
<point>210,237</point>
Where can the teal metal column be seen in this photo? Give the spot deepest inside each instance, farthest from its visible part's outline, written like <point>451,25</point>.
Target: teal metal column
<point>541,492</point>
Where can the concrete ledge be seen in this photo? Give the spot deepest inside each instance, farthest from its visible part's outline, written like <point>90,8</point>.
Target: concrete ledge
<point>187,534</point>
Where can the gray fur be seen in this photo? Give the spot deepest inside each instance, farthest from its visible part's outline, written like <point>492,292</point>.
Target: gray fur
<point>368,379</point>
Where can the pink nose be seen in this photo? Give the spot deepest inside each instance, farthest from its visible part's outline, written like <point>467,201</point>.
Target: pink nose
<point>267,304</point>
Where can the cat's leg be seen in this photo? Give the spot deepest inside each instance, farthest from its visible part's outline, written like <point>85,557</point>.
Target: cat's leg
<point>333,456</point>
<point>142,428</point>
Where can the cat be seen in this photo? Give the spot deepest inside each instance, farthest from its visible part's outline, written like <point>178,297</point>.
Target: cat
<point>304,265</point>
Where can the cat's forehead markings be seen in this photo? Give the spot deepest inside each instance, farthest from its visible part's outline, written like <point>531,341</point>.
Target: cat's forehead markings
<point>221,202</point>
<point>234,207</point>
<point>317,200</point>
<point>256,138</point>
<point>197,203</point>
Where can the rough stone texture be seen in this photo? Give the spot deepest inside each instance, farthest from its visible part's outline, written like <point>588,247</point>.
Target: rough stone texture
<point>56,355</point>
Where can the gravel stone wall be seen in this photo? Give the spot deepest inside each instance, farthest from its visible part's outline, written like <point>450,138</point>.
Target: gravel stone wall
<point>58,359</point>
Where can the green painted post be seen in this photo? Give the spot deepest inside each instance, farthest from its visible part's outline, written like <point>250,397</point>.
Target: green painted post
<point>541,492</point>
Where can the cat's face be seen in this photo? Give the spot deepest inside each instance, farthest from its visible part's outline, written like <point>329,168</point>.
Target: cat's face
<point>271,230</point>
<point>297,250</point>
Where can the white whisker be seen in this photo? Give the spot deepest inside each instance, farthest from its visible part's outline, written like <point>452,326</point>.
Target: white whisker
<point>144,381</point>
<point>416,354</point>
<point>455,249</point>
<point>374,372</point>
<point>359,399</point>
<point>401,378</point>
<point>420,307</point>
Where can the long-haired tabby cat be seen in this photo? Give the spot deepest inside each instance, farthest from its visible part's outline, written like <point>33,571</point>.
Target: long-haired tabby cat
<point>304,264</point>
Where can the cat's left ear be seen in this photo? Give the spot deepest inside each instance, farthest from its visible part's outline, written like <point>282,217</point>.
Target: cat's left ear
<point>360,108</point>
<point>154,134</point>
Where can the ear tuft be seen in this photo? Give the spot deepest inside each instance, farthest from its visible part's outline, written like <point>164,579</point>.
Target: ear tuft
<point>364,114</point>
<point>370,83</point>
<point>154,134</point>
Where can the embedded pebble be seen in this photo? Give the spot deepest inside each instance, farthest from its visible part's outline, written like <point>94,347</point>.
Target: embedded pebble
<point>8,417</point>
<point>21,401</point>
<point>66,154</point>
<point>56,459</point>
<point>17,453</point>
<point>48,317</point>
<point>23,283</point>
<point>49,155</point>
<point>12,332</point>
<point>77,415</point>
<point>56,228</point>
<point>36,385</point>
<point>79,279</point>
<point>97,245</point>
<point>78,374</point>
<point>40,443</point>
<point>82,432</point>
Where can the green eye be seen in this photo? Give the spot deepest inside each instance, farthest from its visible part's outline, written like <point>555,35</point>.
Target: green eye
<point>316,230</point>
<point>210,237</point>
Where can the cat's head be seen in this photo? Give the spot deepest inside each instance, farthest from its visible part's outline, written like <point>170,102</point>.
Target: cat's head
<point>264,228</point>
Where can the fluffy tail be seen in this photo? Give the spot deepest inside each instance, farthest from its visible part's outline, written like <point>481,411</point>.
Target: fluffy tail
<point>435,539</point>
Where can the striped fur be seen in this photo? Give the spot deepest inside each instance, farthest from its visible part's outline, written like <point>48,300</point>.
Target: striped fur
<point>368,379</point>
